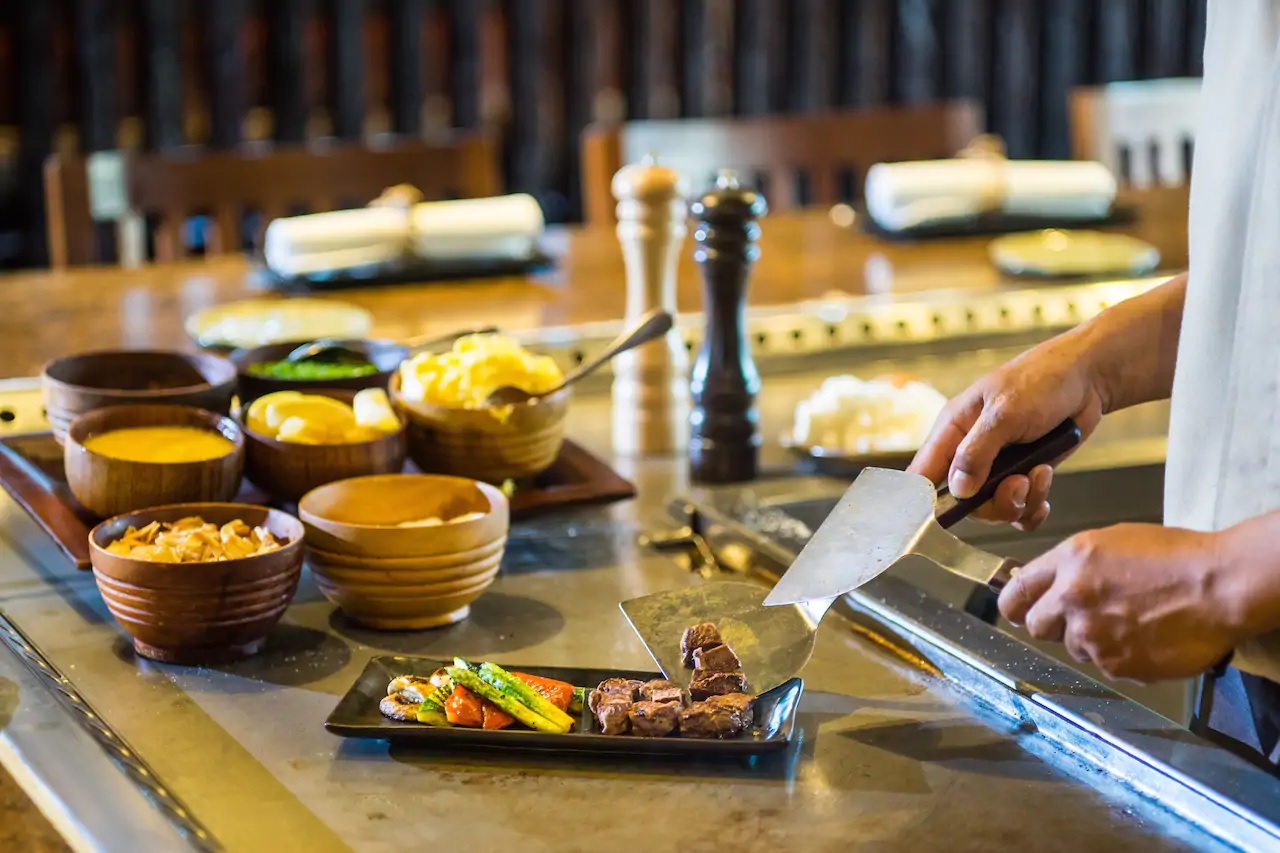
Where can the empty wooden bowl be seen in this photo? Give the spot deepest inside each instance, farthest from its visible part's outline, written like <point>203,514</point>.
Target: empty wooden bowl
<point>80,383</point>
<point>108,486</point>
<point>385,355</point>
<point>199,613</point>
<point>288,470</point>
<point>482,444</point>
<point>394,577</point>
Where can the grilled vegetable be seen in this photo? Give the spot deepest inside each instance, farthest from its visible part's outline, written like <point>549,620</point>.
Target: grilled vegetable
<point>440,678</point>
<point>508,685</point>
<point>579,700</point>
<point>463,708</point>
<point>432,714</point>
<point>412,687</point>
<point>495,717</point>
<point>464,677</point>
<point>558,693</point>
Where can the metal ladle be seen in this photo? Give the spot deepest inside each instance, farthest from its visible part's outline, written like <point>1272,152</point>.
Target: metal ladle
<point>653,325</point>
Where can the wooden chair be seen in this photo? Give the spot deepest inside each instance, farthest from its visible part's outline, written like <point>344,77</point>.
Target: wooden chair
<point>158,194</point>
<point>795,160</point>
<point>1143,131</point>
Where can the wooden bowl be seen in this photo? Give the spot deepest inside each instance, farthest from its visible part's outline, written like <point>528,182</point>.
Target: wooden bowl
<point>288,470</point>
<point>93,380</point>
<point>385,355</point>
<point>476,443</point>
<point>359,517</point>
<point>199,613</point>
<point>107,486</point>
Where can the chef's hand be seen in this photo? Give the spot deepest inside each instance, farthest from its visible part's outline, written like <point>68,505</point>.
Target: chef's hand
<point>1020,402</point>
<point>1140,601</point>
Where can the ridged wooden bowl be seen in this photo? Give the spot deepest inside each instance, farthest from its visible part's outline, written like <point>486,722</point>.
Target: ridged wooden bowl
<point>199,613</point>
<point>106,486</point>
<point>81,383</point>
<point>288,470</point>
<point>386,356</point>
<point>404,578</point>
<point>475,443</point>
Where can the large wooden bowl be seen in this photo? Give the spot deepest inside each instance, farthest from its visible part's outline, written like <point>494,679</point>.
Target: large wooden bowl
<point>385,355</point>
<point>199,613</point>
<point>288,470</point>
<point>360,517</point>
<point>479,444</point>
<point>80,383</point>
<point>404,578</point>
<point>106,486</point>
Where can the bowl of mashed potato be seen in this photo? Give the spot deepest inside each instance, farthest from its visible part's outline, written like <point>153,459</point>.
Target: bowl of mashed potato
<point>453,430</point>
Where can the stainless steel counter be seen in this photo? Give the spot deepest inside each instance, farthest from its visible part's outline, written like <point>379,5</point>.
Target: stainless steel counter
<point>895,752</point>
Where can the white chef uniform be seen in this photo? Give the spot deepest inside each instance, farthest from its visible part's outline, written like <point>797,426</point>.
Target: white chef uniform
<point>1224,434</point>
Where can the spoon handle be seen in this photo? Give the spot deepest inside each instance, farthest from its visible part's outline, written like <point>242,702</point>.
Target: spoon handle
<point>420,343</point>
<point>653,325</point>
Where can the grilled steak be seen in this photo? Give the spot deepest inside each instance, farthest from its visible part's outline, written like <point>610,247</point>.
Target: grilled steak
<point>739,703</point>
<point>702,719</point>
<point>705,684</point>
<point>619,688</point>
<point>654,719</point>
<point>613,714</point>
<point>646,689</point>
<point>716,659</point>
<point>702,636</point>
<point>661,690</point>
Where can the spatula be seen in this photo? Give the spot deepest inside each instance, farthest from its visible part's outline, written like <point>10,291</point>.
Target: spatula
<point>884,516</point>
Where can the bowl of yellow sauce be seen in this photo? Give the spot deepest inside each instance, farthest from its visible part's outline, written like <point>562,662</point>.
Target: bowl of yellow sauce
<point>120,459</point>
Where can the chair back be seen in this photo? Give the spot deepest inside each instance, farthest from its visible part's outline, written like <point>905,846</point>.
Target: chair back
<point>795,160</point>
<point>1144,131</point>
<point>151,197</point>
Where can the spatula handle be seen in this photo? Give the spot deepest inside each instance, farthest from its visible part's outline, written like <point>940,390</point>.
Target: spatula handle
<point>1014,459</point>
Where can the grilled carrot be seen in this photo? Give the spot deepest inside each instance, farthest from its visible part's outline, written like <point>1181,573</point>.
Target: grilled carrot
<point>463,708</point>
<point>558,693</point>
<point>495,717</point>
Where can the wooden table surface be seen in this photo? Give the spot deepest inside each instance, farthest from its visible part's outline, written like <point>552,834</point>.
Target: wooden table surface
<point>804,255</point>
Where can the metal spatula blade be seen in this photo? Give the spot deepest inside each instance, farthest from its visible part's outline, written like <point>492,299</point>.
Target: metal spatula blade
<point>773,643</point>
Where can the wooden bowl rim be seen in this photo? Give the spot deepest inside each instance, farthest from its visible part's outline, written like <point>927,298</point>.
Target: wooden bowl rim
<point>293,548</point>
<point>497,501</point>
<point>197,359</point>
<point>237,437</point>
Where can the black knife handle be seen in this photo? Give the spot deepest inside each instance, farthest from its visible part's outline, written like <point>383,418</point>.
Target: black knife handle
<point>1014,459</point>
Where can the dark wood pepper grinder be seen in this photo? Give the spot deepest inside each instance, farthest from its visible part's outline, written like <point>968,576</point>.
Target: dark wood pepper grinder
<point>724,434</point>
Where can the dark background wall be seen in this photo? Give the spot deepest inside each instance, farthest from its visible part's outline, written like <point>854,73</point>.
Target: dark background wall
<point>84,75</point>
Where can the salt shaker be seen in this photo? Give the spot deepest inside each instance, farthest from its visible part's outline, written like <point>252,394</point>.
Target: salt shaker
<point>725,437</point>
<point>651,383</point>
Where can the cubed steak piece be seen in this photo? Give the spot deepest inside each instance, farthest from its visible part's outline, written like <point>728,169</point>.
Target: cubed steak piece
<point>716,659</point>
<point>741,704</point>
<point>627,689</point>
<point>702,636</point>
<point>614,716</point>
<point>662,690</point>
<point>702,719</point>
<point>654,719</point>
<point>705,684</point>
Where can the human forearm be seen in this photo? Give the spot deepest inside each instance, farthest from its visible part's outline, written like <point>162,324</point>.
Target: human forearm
<point>1247,565</point>
<point>1132,347</point>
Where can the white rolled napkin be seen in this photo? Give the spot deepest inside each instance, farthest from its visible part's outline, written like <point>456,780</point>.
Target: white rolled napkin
<point>342,239</point>
<point>928,192</point>
<point>501,228</point>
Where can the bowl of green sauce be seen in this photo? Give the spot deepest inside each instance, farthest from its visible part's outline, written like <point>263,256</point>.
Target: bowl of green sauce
<point>264,370</point>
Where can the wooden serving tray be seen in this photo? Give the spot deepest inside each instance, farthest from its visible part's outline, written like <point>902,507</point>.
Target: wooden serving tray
<point>31,472</point>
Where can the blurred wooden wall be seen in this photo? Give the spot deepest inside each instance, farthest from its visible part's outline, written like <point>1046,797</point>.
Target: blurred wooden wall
<point>98,74</point>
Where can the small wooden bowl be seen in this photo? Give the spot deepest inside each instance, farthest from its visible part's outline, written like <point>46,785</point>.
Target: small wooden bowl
<point>107,486</point>
<point>93,380</point>
<point>475,443</point>
<point>359,517</point>
<point>385,355</point>
<point>199,613</point>
<point>287,470</point>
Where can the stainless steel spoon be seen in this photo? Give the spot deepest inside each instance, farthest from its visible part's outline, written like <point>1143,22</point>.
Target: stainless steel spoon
<point>353,349</point>
<point>653,325</point>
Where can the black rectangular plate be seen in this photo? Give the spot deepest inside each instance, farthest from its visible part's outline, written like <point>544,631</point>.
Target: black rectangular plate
<point>992,224</point>
<point>411,271</point>
<point>357,715</point>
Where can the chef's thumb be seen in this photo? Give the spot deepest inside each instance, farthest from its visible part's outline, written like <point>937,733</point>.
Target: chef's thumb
<point>994,428</point>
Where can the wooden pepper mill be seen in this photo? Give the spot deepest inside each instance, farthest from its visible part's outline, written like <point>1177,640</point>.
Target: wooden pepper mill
<point>725,436</point>
<point>650,383</point>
